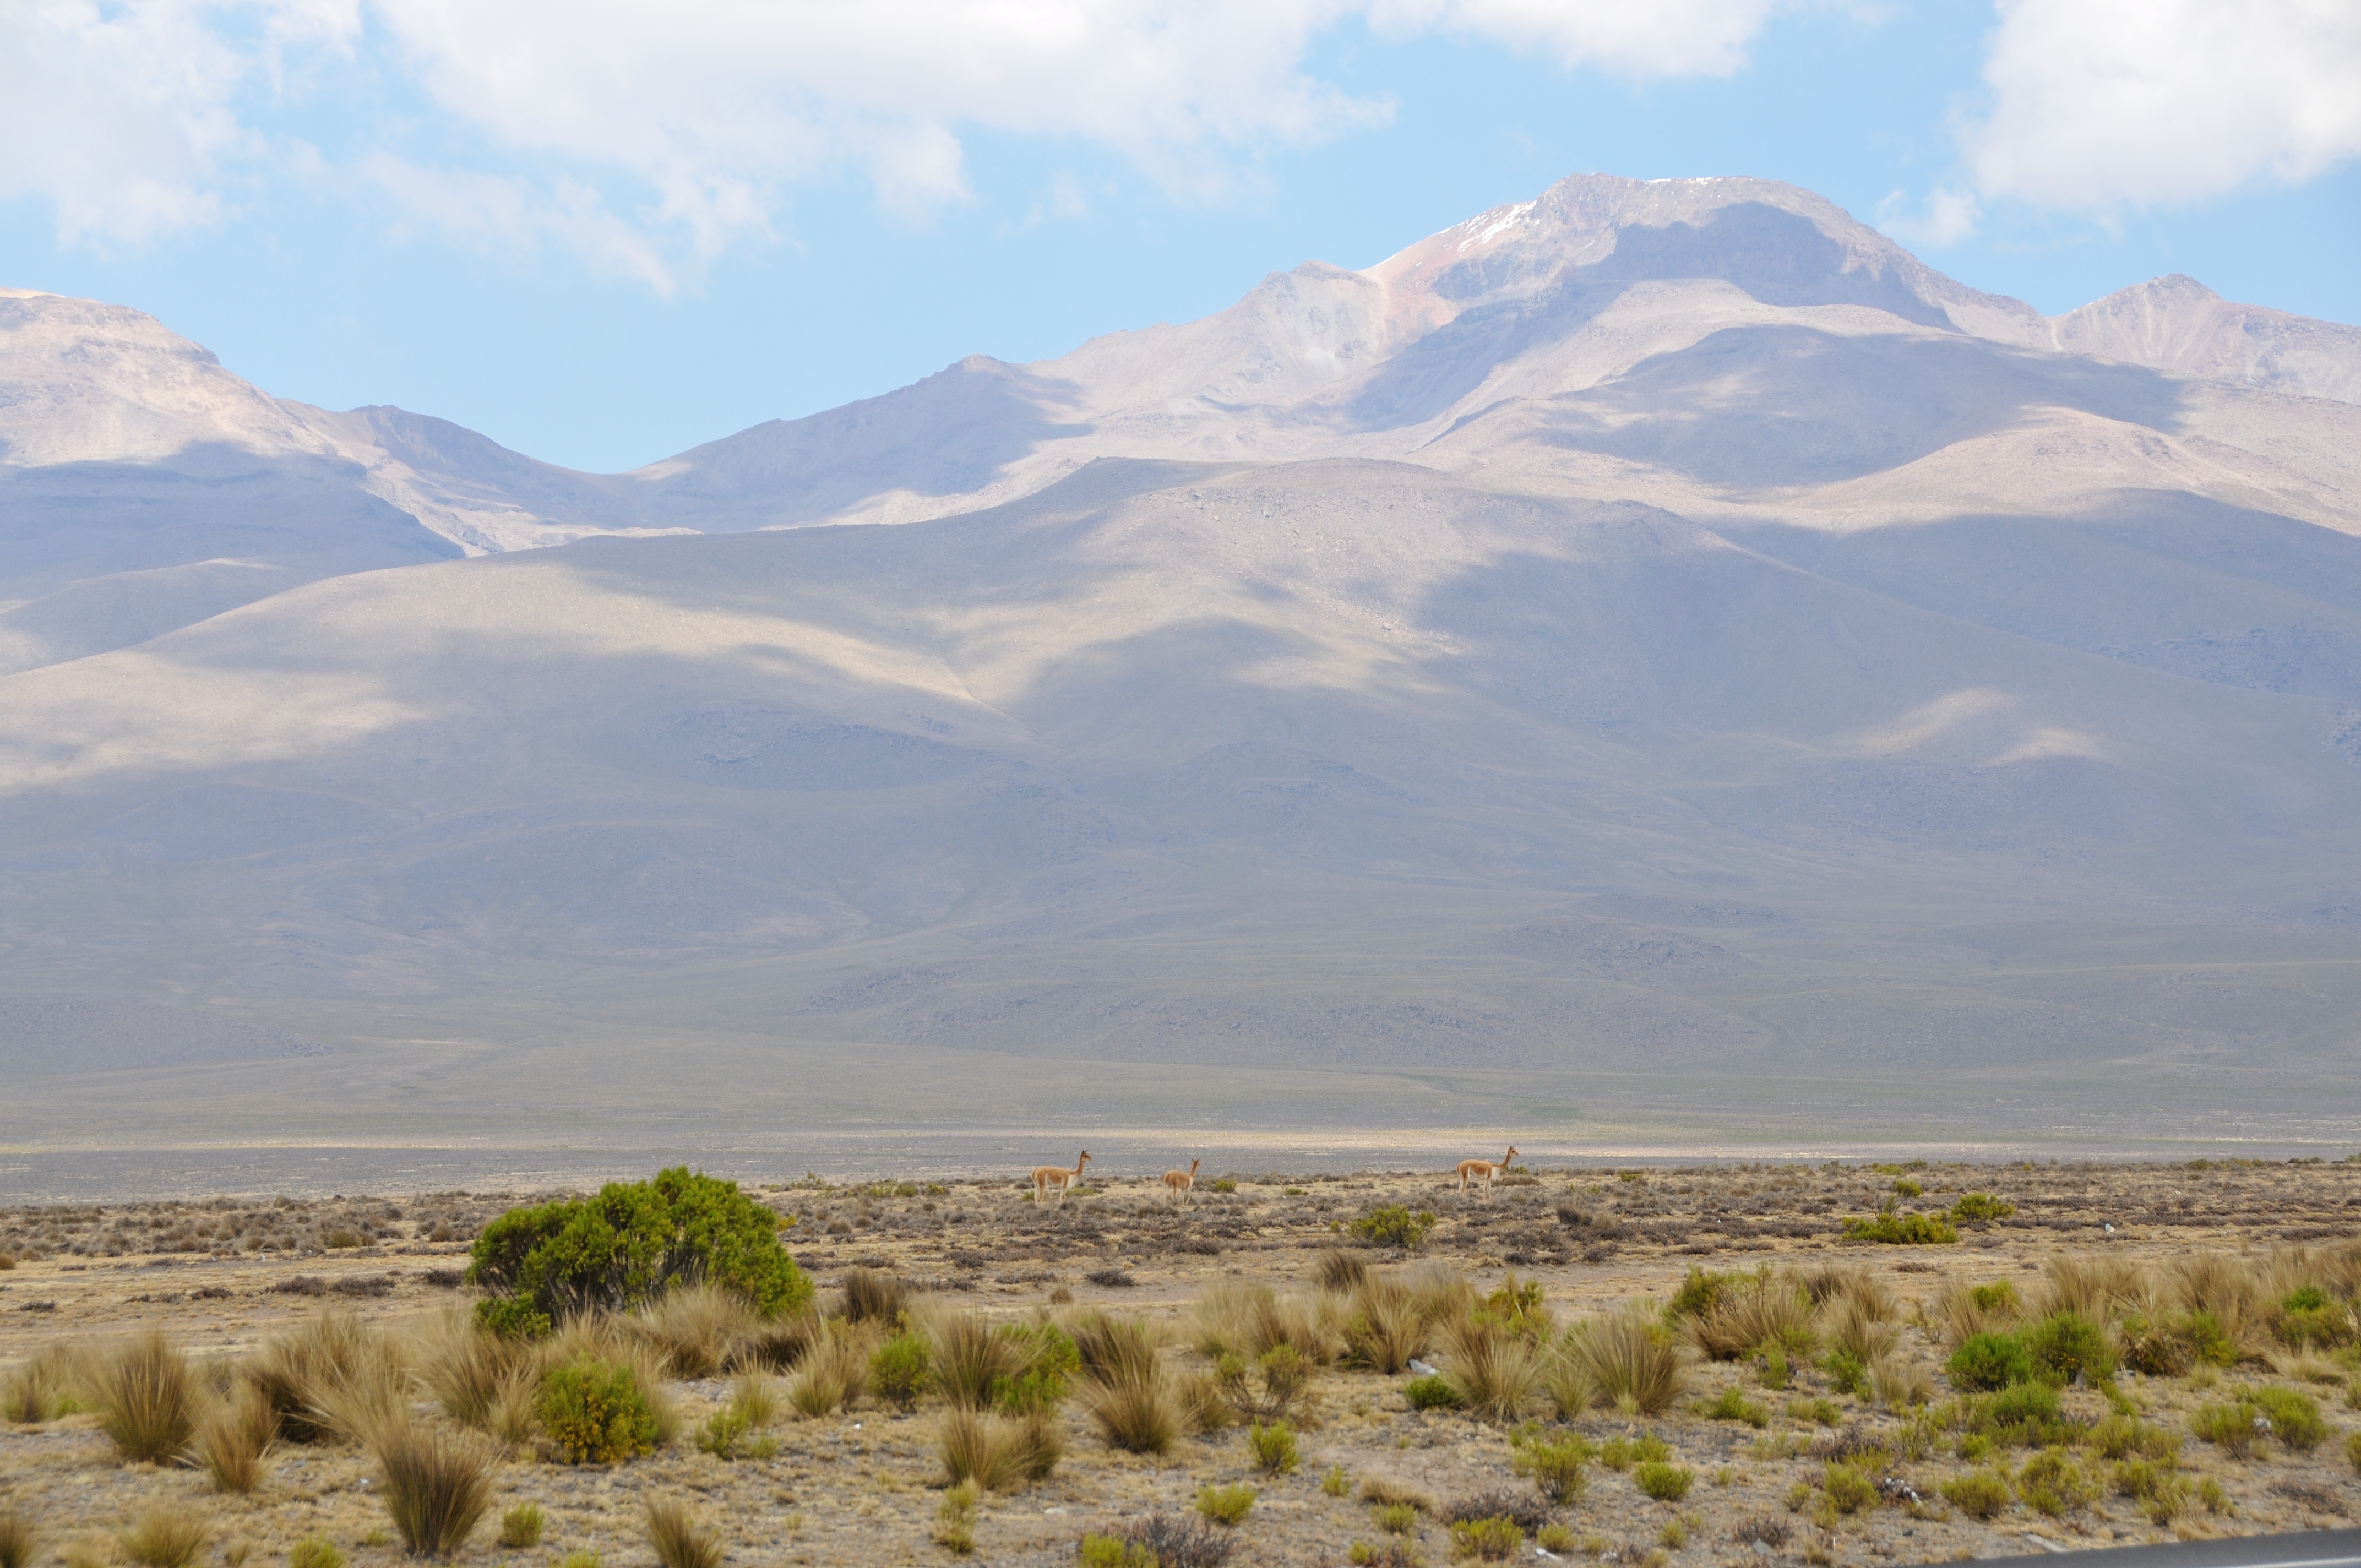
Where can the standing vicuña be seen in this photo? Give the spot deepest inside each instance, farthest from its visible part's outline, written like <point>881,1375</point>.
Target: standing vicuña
<point>1483,1171</point>
<point>1044,1177</point>
<point>1179,1183</point>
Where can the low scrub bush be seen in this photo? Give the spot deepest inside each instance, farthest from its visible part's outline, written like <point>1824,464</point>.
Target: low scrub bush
<point>1979,1209</point>
<point>522,1527</point>
<point>2294,1416</point>
<point>1732,1405</point>
<point>901,1370</point>
<point>148,1401</point>
<point>631,1244</point>
<point>1523,1510</point>
<point>1980,1494</point>
<point>594,1412</point>
<point>955,1518</point>
<point>1431,1392</point>
<point>1274,1447</point>
<point>1666,1483</point>
<point>314,1551</point>
<point>1395,1518</point>
<point>676,1538</point>
<point>1226,1504</point>
<point>1488,1540</point>
<point>2068,1346</point>
<point>1395,1226</point>
<point>1160,1540</point>
<point>2054,1482</point>
<point>1988,1361</point>
<point>1846,1489</point>
<point>1558,1464</point>
<point>1893,1228</point>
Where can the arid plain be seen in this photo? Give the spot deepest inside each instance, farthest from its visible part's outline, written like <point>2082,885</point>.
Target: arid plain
<point>2197,1273</point>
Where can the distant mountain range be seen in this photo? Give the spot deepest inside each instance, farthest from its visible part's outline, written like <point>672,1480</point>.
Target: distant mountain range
<point>1658,628</point>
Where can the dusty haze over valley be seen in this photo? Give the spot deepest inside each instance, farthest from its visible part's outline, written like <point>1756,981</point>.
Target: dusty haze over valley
<point>1654,666</point>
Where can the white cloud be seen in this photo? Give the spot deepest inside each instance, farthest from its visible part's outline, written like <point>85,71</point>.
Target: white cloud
<point>1637,38</point>
<point>2102,103</point>
<point>666,133</point>
<point>1946,217</point>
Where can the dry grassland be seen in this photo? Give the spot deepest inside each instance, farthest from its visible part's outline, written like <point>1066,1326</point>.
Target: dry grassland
<point>1874,1458</point>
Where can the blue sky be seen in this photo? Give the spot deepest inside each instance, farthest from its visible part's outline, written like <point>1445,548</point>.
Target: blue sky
<point>601,236</point>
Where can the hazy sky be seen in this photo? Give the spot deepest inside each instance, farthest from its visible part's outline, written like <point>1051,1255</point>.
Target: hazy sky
<point>601,231</point>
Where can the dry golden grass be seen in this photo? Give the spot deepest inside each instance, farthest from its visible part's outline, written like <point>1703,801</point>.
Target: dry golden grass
<point>166,1535</point>
<point>1630,1362</point>
<point>1751,1314</point>
<point>20,1538</point>
<point>1495,1371</point>
<point>436,1484</point>
<point>330,1378</point>
<point>233,1438</point>
<point>1129,1392</point>
<point>969,1355</point>
<point>676,1538</point>
<point>834,1370</point>
<point>147,1399</point>
<point>1386,1323</point>
<point>979,1446</point>
<point>698,1330</point>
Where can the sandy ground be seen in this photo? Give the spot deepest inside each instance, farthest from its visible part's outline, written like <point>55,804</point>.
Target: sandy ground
<point>863,1487</point>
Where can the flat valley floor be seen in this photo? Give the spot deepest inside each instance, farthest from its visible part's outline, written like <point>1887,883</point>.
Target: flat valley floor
<point>864,1485</point>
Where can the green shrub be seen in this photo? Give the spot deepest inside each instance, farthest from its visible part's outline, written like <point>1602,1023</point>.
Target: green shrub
<point>1988,1361</point>
<point>1395,1226</point>
<point>1701,1290</point>
<point>1336,1483</point>
<point>1431,1392</point>
<point>1488,1540</point>
<point>2233,1427</point>
<point>1226,1505</point>
<point>1556,1464</point>
<point>315,1552</point>
<point>1273,1448</point>
<point>596,1413</point>
<point>1846,1489</point>
<point>1622,1452</point>
<point>901,1370</point>
<point>1848,1373</point>
<point>2295,1418</point>
<point>629,1246</point>
<point>1732,1405</point>
<point>1980,1209</point>
<point>1046,1361</point>
<point>1980,1494</point>
<point>1893,1228</point>
<point>2162,1495</point>
<point>2128,1437</point>
<point>1665,1483</point>
<point>520,1527</point>
<point>2352,1450</point>
<point>1115,1552</point>
<point>2054,1482</point>
<point>2066,1345</point>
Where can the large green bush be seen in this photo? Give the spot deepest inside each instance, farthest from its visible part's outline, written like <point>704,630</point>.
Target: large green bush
<point>1988,1361</point>
<point>631,1243</point>
<point>2066,1345</point>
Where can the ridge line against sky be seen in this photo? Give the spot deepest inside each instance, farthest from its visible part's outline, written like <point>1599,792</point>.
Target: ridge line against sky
<point>606,233</point>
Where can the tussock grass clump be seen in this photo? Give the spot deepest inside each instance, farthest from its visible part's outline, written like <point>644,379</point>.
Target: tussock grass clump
<point>1630,1361</point>
<point>522,1527</point>
<point>233,1438</point>
<point>51,1383</point>
<point>698,1330</point>
<point>676,1538</point>
<point>1385,1325</point>
<point>1341,1271</point>
<point>314,1551</point>
<point>330,1378</point>
<point>20,1538</point>
<point>874,1296</point>
<point>166,1535</point>
<point>1494,1370</point>
<point>148,1400</point>
<point>834,1372</point>
<point>1963,1312</point>
<point>970,1359</point>
<point>1252,1321</point>
<point>1747,1314</point>
<point>436,1484</point>
<point>1899,1383</point>
<point>1385,1491</point>
<point>997,1451</point>
<point>473,1374</point>
<point>1129,1394</point>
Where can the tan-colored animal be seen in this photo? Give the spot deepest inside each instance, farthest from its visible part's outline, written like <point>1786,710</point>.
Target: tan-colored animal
<point>1044,1177</point>
<point>1483,1171</point>
<point>1179,1183</point>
